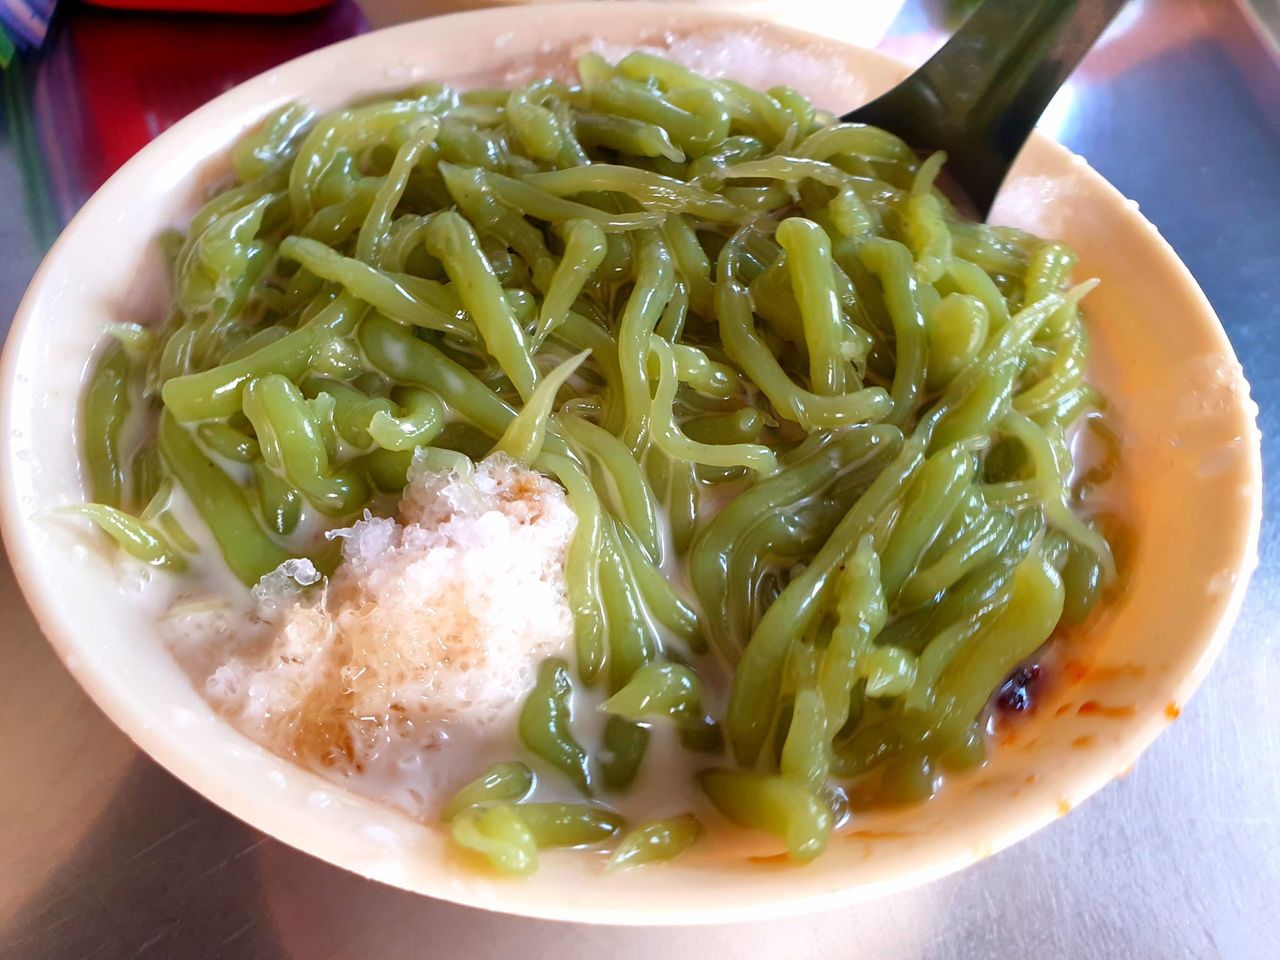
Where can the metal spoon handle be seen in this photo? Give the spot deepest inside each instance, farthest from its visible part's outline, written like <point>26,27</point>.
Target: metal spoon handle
<point>980,96</point>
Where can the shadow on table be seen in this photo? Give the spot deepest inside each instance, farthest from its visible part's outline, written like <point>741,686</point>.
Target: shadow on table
<point>163,873</point>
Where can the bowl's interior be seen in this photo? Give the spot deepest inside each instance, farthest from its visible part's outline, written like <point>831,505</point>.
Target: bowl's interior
<point>1190,489</point>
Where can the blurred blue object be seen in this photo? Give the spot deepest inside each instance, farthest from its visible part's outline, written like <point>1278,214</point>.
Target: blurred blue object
<point>23,24</point>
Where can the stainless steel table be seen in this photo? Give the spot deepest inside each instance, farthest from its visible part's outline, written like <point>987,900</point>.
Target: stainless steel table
<point>102,854</point>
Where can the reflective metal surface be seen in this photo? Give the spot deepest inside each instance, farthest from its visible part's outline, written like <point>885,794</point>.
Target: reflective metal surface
<point>104,855</point>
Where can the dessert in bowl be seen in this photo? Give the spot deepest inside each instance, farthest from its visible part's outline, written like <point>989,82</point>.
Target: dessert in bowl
<point>523,475</point>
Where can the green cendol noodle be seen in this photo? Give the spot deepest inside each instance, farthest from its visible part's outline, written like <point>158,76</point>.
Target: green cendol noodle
<point>756,347</point>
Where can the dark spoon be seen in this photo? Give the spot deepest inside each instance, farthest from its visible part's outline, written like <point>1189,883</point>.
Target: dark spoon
<point>979,97</point>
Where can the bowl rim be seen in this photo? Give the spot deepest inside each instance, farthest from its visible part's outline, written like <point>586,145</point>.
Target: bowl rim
<point>45,602</point>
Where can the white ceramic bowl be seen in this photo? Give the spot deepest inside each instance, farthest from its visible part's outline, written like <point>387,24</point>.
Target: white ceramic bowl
<point>1191,481</point>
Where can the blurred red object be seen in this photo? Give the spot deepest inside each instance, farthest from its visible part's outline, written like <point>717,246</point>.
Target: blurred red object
<point>258,7</point>
<point>113,80</point>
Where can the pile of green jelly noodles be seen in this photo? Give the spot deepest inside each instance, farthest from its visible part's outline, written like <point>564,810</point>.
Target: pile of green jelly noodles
<point>756,347</point>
